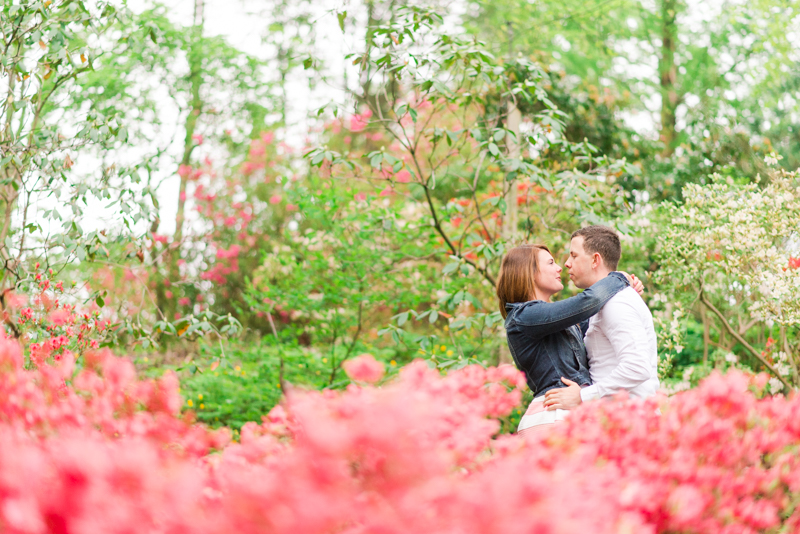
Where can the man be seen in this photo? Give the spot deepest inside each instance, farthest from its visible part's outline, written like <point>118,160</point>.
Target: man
<point>620,339</point>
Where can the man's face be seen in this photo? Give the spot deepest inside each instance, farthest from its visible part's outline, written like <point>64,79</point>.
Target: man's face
<point>579,264</point>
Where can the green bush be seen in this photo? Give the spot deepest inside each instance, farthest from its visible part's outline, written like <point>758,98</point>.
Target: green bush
<point>246,384</point>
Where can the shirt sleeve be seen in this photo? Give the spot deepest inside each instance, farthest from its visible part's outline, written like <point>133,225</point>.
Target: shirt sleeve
<point>629,339</point>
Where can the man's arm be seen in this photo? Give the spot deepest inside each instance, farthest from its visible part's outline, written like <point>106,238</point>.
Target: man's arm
<point>543,318</point>
<point>628,337</point>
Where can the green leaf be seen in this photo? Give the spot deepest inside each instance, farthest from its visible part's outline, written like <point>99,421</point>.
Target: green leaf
<point>307,63</point>
<point>450,267</point>
<point>99,301</point>
<point>342,17</point>
<point>493,149</point>
<point>402,318</point>
<point>433,317</point>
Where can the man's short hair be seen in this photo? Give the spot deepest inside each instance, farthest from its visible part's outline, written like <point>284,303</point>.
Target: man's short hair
<point>604,241</point>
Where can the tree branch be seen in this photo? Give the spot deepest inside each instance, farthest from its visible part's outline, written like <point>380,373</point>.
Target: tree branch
<point>741,340</point>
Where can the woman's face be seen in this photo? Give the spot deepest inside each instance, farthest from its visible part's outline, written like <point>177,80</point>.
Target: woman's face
<point>548,279</point>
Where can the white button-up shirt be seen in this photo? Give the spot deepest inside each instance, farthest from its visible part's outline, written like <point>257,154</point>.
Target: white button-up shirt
<point>622,347</point>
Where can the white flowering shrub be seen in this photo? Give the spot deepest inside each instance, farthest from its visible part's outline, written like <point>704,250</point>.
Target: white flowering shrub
<point>736,249</point>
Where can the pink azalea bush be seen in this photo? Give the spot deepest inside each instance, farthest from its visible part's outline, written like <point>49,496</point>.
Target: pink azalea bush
<point>88,447</point>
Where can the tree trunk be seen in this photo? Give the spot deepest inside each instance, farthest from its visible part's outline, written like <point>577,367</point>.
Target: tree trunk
<point>195,58</point>
<point>668,74</point>
<point>511,220</point>
<point>706,333</point>
<point>366,74</point>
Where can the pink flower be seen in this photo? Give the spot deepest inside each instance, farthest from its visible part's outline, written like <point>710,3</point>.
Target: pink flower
<point>364,368</point>
<point>184,301</point>
<point>158,238</point>
<point>386,192</point>
<point>198,139</point>
<point>275,199</point>
<point>403,176</point>
<point>184,170</point>
<point>360,197</point>
<point>15,300</point>
<point>359,121</point>
<point>60,317</point>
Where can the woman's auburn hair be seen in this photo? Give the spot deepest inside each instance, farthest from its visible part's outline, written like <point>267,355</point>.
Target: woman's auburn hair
<point>516,282</point>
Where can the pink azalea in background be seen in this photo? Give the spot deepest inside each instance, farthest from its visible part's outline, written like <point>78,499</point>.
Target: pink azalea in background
<point>360,196</point>
<point>403,176</point>
<point>184,170</point>
<point>257,149</point>
<point>275,199</point>
<point>15,300</point>
<point>291,207</point>
<point>60,317</point>
<point>386,192</point>
<point>198,139</point>
<point>359,121</point>
<point>184,301</point>
<point>364,368</point>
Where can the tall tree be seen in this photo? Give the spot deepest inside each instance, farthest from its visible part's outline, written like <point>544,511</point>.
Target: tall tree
<point>706,62</point>
<point>48,50</point>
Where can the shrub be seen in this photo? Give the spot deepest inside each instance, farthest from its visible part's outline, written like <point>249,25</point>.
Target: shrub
<point>100,451</point>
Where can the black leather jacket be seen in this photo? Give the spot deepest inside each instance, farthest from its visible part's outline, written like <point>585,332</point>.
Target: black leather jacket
<point>546,340</point>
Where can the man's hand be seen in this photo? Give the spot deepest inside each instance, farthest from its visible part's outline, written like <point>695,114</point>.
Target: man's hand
<point>563,398</point>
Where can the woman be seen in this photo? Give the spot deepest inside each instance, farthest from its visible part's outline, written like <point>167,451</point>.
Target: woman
<point>544,337</point>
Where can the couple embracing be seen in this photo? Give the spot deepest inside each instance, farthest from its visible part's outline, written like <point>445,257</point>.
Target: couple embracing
<point>595,344</point>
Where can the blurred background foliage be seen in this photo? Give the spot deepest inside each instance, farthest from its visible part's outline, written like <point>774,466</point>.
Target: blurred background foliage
<point>455,131</point>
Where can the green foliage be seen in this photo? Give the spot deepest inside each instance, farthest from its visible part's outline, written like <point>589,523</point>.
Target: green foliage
<point>249,381</point>
<point>48,49</point>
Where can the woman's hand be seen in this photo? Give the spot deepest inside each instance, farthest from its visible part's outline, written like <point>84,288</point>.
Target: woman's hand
<point>635,283</point>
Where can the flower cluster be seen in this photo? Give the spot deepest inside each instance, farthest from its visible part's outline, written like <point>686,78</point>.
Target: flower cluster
<point>98,451</point>
<point>725,229</point>
<point>736,243</point>
<point>49,326</point>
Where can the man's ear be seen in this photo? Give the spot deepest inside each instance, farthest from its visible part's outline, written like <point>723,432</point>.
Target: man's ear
<point>597,260</point>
